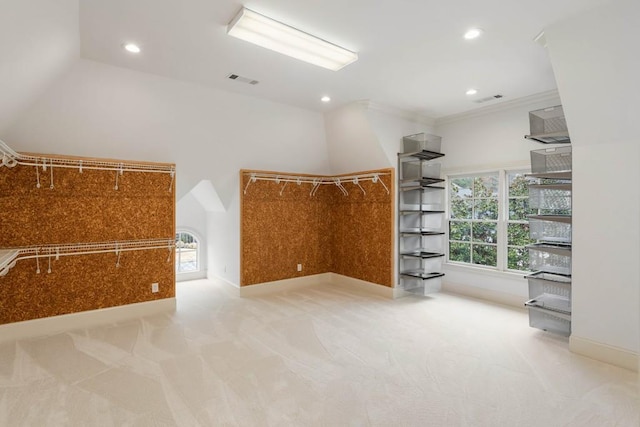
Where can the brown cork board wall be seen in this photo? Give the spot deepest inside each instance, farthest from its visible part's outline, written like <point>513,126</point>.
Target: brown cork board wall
<point>328,232</point>
<point>84,208</point>
<point>362,232</point>
<point>281,231</point>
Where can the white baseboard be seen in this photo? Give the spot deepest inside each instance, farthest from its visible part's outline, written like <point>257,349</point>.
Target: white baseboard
<point>84,319</point>
<point>484,294</point>
<point>385,291</point>
<point>283,285</point>
<point>318,279</point>
<point>604,353</point>
<point>235,287</point>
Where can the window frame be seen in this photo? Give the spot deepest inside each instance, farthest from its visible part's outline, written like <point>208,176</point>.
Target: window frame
<point>508,220</point>
<point>473,220</point>
<point>178,252</point>
<point>502,221</point>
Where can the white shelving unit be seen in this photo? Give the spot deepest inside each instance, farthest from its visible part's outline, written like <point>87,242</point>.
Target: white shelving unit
<point>420,215</point>
<point>550,257</point>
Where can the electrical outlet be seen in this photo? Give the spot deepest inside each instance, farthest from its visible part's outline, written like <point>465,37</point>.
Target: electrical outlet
<point>299,267</point>
<point>154,287</point>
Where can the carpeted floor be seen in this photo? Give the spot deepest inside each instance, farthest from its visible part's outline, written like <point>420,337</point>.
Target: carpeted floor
<point>321,356</point>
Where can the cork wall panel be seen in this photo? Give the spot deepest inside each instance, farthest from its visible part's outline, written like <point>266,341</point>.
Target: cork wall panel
<point>362,237</point>
<point>84,282</point>
<point>82,208</point>
<point>281,231</point>
<point>328,232</point>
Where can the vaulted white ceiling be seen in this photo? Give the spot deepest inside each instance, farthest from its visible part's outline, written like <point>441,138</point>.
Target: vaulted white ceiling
<point>412,53</point>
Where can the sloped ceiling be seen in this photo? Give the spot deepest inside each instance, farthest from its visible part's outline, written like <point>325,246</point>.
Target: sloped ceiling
<point>412,55</point>
<point>39,41</point>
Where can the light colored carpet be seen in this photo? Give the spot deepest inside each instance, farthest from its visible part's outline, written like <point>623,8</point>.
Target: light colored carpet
<point>322,356</point>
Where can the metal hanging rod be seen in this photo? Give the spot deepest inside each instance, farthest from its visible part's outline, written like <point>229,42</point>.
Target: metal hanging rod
<point>11,158</point>
<point>317,181</point>
<point>9,256</point>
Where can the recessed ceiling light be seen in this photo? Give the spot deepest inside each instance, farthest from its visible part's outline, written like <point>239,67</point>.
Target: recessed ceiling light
<point>472,33</point>
<point>132,47</point>
<point>471,92</point>
<point>325,99</point>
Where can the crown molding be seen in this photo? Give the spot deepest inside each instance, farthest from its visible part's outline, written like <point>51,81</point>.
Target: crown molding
<point>398,112</point>
<point>505,105</point>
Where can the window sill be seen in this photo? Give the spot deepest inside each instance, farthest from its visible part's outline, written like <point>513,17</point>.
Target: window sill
<point>485,271</point>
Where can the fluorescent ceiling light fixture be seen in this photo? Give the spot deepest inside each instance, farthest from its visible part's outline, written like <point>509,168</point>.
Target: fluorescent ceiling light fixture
<point>471,92</point>
<point>325,99</point>
<point>263,31</point>
<point>473,33</point>
<point>132,47</point>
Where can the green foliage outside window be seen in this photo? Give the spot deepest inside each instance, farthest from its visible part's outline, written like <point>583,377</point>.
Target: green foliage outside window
<point>473,232</point>
<point>459,252</point>
<point>485,255</point>
<point>474,208</point>
<point>518,222</point>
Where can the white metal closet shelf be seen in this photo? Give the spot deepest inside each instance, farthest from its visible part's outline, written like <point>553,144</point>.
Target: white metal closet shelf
<point>11,158</point>
<point>9,256</point>
<point>317,181</point>
<point>420,231</point>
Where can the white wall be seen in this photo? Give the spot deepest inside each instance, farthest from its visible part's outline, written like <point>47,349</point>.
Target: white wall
<point>352,144</point>
<point>224,242</point>
<point>596,63</point>
<point>492,137</point>
<point>363,135</point>
<point>98,110</point>
<point>39,41</point>
<point>389,127</point>
<point>489,139</point>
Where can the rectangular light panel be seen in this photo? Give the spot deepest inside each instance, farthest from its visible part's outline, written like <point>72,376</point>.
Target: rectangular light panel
<point>263,31</point>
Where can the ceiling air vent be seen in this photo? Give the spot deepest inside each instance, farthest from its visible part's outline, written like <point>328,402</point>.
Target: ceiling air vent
<point>242,79</point>
<point>487,99</point>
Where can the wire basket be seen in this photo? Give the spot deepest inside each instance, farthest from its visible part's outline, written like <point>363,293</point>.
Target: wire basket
<point>549,231</point>
<point>420,286</point>
<point>415,198</point>
<point>547,120</point>
<point>550,258</point>
<point>549,321</point>
<point>555,197</point>
<point>551,160</point>
<point>418,170</point>
<point>430,265</point>
<point>421,142</point>
<point>546,283</point>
